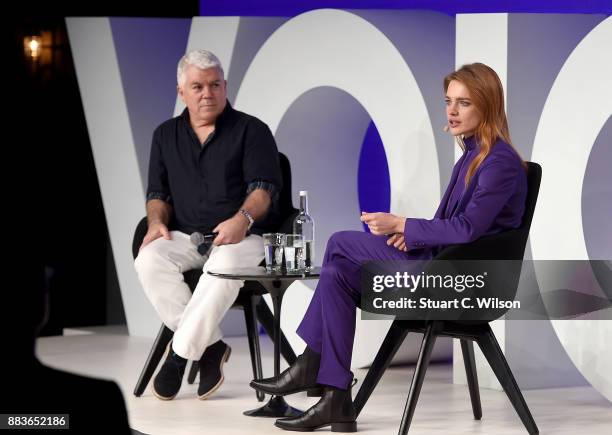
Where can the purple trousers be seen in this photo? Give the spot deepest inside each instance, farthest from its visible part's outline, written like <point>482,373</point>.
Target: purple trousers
<point>328,326</point>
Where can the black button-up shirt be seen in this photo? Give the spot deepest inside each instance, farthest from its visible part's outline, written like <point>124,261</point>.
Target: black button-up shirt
<point>208,183</point>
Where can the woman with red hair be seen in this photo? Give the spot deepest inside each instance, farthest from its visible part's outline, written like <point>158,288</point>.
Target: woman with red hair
<point>486,195</point>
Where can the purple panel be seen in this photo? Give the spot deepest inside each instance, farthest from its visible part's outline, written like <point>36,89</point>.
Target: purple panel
<point>286,8</point>
<point>374,185</point>
<point>148,50</point>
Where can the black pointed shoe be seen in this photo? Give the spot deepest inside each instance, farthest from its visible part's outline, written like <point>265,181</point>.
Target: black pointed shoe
<point>168,381</point>
<point>300,376</point>
<point>335,409</point>
<point>211,368</point>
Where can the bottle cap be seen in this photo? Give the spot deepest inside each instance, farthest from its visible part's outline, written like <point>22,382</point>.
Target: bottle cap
<point>303,192</point>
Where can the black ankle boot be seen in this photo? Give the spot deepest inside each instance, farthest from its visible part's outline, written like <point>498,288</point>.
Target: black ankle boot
<point>211,368</point>
<point>168,381</point>
<point>335,408</point>
<point>300,376</point>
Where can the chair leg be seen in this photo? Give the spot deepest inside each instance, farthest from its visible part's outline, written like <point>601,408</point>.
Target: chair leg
<point>253,336</point>
<point>265,317</point>
<point>491,350</point>
<point>193,372</point>
<point>429,339</point>
<point>467,349</point>
<point>393,340</point>
<point>157,351</point>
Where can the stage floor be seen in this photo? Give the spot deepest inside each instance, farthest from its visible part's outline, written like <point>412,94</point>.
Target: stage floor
<point>443,408</point>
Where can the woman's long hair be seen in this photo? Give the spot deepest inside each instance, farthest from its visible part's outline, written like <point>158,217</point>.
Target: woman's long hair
<point>487,95</point>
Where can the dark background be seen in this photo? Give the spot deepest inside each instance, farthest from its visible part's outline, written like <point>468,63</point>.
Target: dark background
<point>57,205</point>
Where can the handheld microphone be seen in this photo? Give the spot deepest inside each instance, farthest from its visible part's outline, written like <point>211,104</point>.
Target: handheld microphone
<point>199,238</point>
<point>203,242</point>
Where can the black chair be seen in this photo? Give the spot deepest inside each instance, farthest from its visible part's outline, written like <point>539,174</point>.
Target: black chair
<point>509,245</point>
<point>249,300</point>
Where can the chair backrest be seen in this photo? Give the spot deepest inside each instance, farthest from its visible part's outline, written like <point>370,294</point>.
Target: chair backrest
<point>285,200</point>
<point>286,210</point>
<point>508,245</point>
<point>503,277</point>
<point>139,234</point>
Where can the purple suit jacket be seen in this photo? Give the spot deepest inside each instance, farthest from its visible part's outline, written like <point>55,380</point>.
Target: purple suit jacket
<point>492,202</point>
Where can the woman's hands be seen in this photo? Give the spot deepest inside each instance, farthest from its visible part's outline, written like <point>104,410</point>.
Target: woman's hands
<point>397,240</point>
<point>381,224</point>
<point>384,224</point>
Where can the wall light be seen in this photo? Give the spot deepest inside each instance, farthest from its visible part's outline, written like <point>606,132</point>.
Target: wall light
<point>32,46</point>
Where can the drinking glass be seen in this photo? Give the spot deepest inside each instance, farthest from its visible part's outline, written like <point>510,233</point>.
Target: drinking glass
<point>294,252</point>
<point>273,250</point>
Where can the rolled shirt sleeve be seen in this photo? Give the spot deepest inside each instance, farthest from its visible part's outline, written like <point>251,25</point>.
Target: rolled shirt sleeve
<point>496,183</point>
<point>261,166</point>
<point>264,185</point>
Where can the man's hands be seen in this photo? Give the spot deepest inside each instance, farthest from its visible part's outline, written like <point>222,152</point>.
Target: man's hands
<point>156,230</point>
<point>232,230</point>
<point>158,213</point>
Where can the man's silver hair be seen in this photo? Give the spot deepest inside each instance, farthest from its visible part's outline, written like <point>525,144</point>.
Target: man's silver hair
<point>202,59</point>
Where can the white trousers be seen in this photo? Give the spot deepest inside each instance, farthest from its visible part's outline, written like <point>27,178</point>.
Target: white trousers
<point>193,318</point>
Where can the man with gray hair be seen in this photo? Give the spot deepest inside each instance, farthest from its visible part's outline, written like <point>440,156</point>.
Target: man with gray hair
<point>212,169</point>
